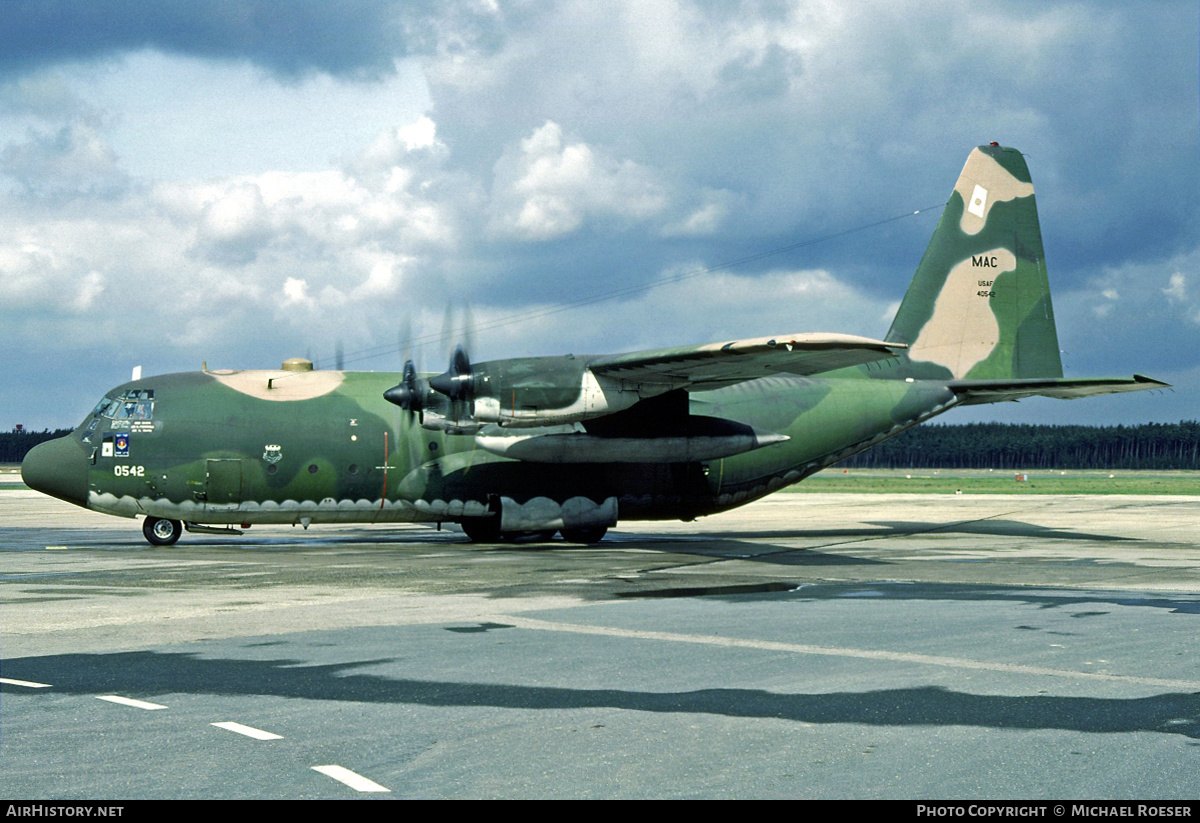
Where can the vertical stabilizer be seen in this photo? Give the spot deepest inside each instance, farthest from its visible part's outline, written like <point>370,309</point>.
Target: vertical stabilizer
<point>979,304</point>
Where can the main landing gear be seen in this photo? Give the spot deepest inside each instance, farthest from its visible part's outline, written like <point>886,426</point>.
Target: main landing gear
<point>161,532</point>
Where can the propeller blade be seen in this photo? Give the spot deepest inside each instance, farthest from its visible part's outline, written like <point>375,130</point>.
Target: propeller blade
<point>457,382</point>
<point>467,334</point>
<point>454,410</point>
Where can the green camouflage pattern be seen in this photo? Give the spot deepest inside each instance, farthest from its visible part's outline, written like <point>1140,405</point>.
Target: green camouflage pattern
<point>301,446</point>
<point>979,304</point>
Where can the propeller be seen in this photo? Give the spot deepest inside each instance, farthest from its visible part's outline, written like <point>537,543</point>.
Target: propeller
<point>456,382</point>
<point>457,385</point>
<point>409,393</point>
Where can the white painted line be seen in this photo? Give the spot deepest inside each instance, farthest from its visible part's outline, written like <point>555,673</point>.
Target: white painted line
<point>354,781</point>
<point>129,701</point>
<point>29,684</point>
<point>835,651</point>
<point>249,731</point>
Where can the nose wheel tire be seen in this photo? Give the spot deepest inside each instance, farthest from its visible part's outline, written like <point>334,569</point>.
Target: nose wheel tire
<point>161,532</point>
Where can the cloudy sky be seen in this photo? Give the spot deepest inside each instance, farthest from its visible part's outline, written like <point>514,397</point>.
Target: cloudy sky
<point>241,182</point>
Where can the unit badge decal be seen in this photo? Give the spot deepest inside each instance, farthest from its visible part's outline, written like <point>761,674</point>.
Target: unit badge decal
<point>272,454</point>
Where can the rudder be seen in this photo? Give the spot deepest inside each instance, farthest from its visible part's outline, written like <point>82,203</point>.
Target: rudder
<point>979,304</point>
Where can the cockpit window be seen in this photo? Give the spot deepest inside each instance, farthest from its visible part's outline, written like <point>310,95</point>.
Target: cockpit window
<point>131,404</point>
<point>134,405</point>
<point>134,410</point>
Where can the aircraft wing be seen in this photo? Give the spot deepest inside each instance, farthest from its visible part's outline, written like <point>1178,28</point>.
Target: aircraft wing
<point>715,365</point>
<point>1064,388</point>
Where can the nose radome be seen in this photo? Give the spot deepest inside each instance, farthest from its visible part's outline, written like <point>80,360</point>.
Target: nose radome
<point>58,468</point>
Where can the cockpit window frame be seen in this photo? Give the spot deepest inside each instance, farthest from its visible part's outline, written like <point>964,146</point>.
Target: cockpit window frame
<point>131,404</point>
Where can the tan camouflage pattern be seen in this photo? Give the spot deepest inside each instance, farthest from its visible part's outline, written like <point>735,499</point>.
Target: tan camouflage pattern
<point>982,184</point>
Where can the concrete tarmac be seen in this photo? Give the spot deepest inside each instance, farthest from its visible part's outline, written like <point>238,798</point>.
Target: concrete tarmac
<point>809,646</point>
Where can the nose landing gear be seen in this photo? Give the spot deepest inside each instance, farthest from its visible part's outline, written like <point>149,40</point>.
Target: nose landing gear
<point>161,532</point>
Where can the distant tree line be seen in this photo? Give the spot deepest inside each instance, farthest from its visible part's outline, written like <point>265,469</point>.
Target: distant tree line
<point>956,446</point>
<point>15,444</point>
<point>1018,446</point>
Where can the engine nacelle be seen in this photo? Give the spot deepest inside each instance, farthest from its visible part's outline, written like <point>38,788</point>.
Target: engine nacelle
<point>528,405</point>
<point>437,420</point>
<point>530,392</point>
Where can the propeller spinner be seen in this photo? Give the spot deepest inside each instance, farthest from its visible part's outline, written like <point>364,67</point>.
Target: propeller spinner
<point>408,394</point>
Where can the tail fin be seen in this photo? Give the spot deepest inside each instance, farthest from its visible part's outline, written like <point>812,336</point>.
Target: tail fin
<point>979,304</point>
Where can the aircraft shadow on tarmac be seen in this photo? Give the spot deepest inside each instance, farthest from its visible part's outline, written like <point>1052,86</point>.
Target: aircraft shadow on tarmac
<point>719,549</point>
<point>750,545</point>
<point>757,546</point>
<point>904,528</point>
<point>165,673</point>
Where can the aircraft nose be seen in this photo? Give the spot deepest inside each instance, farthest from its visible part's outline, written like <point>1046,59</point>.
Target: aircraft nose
<point>58,468</point>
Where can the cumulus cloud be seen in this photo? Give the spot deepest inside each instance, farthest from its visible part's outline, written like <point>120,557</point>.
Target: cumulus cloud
<point>690,303</point>
<point>707,218</point>
<point>30,273</point>
<point>70,161</point>
<point>1177,289</point>
<point>548,186</point>
<point>1145,309</point>
<point>220,267</point>
<point>232,227</point>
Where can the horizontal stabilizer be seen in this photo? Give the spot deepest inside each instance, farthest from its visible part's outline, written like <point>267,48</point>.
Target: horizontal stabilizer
<point>716,365</point>
<point>1064,388</point>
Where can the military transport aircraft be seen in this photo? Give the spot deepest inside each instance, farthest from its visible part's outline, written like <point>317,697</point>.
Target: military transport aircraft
<point>572,444</point>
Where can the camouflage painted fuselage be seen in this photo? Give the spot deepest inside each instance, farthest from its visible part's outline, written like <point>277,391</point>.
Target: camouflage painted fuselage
<point>216,450</point>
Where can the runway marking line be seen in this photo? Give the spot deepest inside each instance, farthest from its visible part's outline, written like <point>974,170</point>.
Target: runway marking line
<point>351,779</point>
<point>834,651</point>
<point>248,731</point>
<point>129,701</point>
<point>29,684</point>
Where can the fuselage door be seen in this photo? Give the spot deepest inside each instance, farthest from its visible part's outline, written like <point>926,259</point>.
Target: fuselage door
<point>223,484</point>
